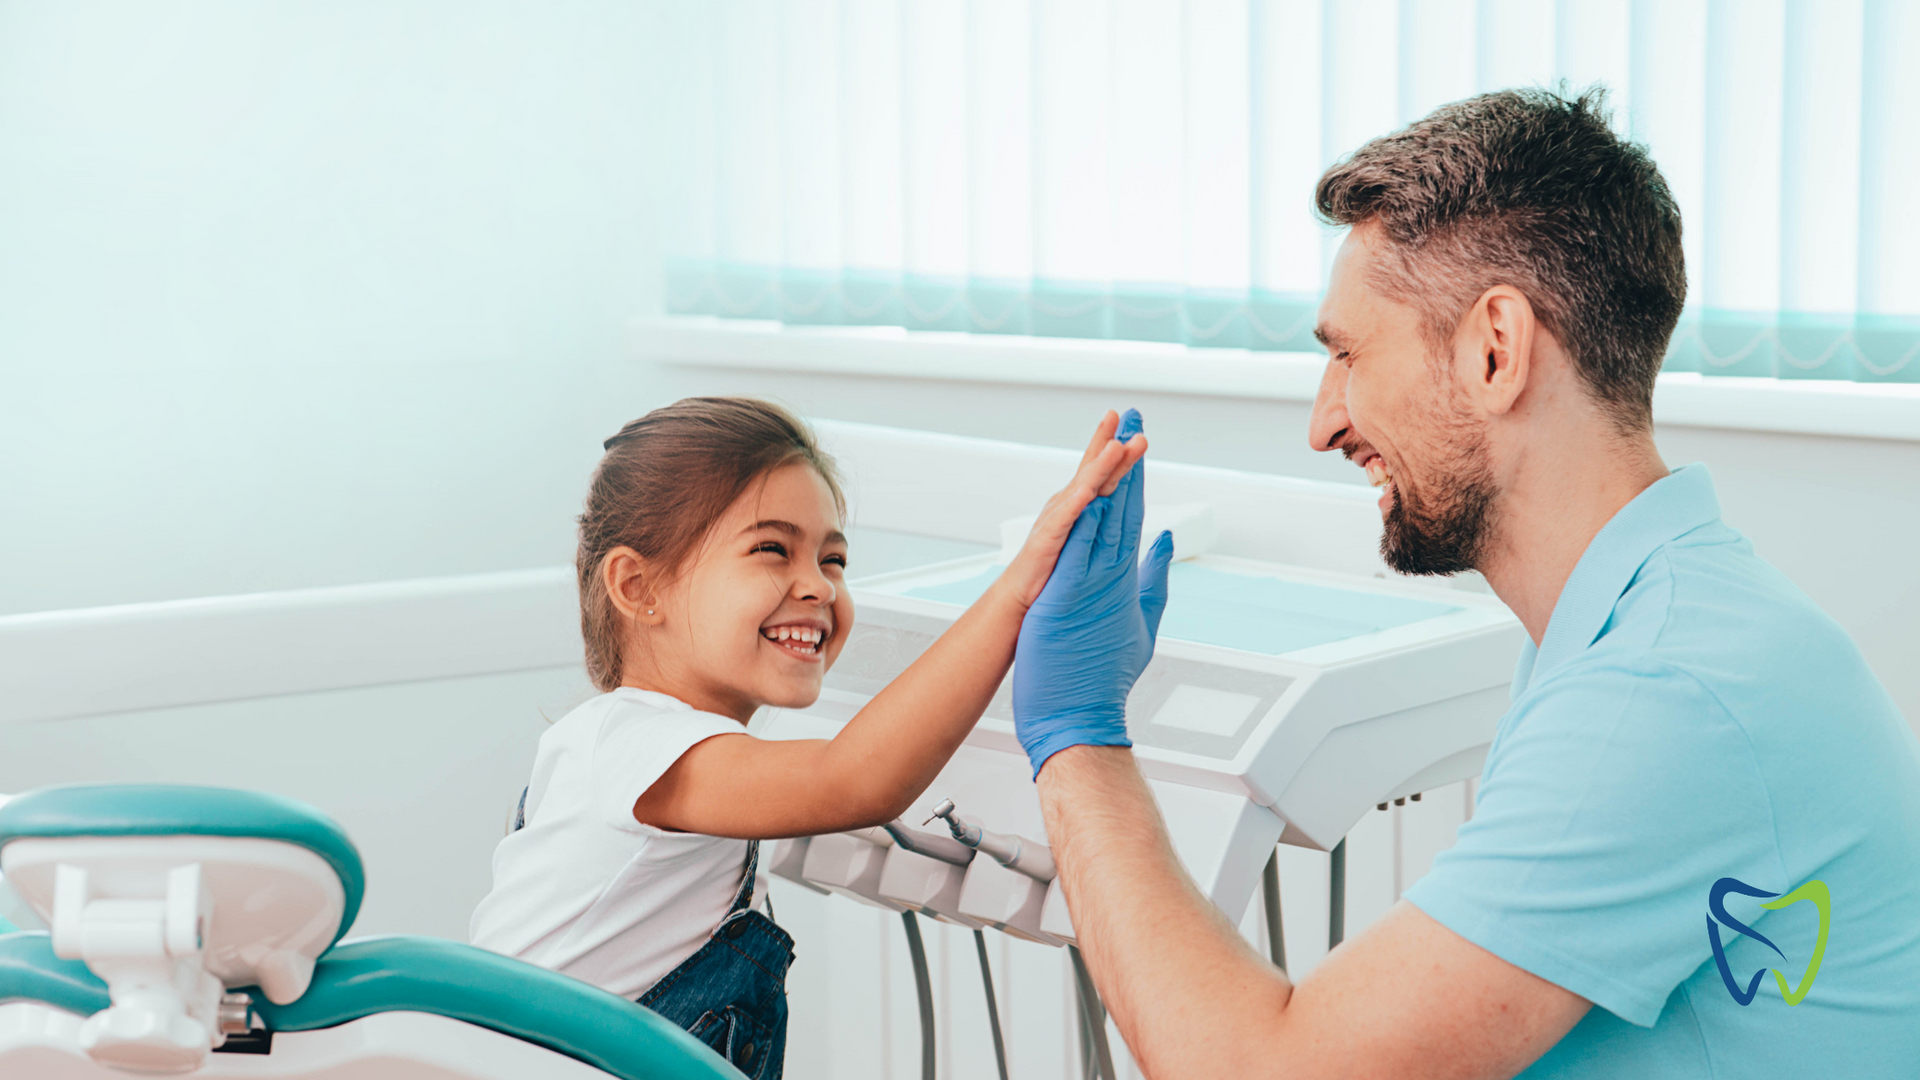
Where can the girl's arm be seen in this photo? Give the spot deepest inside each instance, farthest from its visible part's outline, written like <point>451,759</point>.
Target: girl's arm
<point>742,786</point>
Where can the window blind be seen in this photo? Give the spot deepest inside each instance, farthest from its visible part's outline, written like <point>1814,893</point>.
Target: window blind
<point>1143,169</point>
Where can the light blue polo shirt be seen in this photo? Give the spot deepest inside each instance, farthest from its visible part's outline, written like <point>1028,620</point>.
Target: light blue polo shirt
<point>1691,716</point>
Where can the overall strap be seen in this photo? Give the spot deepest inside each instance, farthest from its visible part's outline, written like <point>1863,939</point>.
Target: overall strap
<point>743,897</point>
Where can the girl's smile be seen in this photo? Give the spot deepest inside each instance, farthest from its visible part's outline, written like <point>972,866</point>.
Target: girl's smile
<point>805,639</point>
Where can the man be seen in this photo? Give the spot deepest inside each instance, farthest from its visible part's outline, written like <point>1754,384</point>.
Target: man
<point>1683,717</point>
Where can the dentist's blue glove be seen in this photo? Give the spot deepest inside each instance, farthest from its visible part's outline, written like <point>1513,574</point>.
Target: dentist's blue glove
<point>1091,632</point>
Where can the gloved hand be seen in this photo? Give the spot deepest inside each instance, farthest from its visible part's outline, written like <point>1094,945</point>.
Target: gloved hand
<point>1088,637</point>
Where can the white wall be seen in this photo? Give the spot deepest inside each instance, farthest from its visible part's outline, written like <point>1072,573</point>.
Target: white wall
<point>310,293</point>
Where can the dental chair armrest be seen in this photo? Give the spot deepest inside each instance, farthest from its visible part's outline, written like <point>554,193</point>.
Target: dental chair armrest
<point>461,982</point>
<point>30,972</point>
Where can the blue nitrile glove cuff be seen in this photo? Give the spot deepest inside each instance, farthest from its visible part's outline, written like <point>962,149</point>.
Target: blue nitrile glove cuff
<point>1042,739</point>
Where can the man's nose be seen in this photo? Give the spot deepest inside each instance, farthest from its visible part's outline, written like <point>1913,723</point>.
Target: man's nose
<point>1327,428</point>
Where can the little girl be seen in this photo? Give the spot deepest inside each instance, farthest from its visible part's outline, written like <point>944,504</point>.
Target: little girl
<point>712,568</point>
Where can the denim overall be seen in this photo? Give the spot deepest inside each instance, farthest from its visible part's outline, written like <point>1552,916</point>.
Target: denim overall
<point>731,994</point>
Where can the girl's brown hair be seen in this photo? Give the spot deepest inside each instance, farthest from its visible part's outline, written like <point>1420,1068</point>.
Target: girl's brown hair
<point>666,478</point>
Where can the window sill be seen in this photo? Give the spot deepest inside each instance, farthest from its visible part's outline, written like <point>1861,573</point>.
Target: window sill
<point>1805,407</point>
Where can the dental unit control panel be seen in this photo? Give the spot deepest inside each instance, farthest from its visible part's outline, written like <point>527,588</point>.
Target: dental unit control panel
<point>1294,687</point>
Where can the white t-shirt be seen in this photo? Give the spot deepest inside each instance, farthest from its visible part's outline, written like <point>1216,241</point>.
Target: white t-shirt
<point>586,890</point>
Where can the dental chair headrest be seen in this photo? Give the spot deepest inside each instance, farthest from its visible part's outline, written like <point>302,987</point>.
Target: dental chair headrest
<point>127,810</point>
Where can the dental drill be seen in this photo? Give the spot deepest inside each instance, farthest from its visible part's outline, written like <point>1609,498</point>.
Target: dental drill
<point>1013,852</point>
<point>934,846</point>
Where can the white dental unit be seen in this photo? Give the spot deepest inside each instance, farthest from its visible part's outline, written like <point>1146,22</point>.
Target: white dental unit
<point>1295,686</point>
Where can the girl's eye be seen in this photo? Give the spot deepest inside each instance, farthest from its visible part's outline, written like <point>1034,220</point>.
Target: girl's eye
<point>836,560</point>
<point>773,546</point>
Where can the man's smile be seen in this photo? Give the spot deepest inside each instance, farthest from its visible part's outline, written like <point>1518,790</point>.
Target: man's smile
<point>1378,474</point>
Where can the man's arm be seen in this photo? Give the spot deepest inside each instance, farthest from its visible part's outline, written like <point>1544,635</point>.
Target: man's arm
<point>1407,998</point>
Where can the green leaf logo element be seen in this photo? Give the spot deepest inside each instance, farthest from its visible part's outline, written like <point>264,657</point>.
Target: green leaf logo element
<point>1815,891</point>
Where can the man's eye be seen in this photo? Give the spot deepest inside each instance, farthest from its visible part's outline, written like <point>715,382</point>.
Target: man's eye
<point>773,546</point>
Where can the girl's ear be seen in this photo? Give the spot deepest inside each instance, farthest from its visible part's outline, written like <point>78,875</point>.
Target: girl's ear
<point>631,586</point>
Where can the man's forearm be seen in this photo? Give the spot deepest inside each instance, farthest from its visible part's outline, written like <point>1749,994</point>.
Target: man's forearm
<point>1188,993</point>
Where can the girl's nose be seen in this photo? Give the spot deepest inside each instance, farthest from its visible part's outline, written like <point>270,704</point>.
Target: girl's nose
<point>813,586</point>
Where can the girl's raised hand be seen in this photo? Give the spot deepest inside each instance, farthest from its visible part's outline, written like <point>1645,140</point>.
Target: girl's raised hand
<point>1106,461</point>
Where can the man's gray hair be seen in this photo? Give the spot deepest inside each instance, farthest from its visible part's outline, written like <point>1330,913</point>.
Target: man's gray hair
<point>1528,188</point>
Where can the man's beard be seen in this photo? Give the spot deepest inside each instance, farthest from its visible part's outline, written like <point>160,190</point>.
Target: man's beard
<point>1444,533</point>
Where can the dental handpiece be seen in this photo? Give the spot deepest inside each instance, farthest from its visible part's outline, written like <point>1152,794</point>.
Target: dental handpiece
<point>1013,852</point>
<point>932,845</point>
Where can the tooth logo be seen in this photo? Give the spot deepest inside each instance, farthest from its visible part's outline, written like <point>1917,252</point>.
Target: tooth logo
<point>1815,891</point>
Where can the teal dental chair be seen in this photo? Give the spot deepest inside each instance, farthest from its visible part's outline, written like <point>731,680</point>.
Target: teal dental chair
<point>197,931</point>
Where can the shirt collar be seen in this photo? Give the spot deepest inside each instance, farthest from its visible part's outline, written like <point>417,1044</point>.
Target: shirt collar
<point>1670,507</point>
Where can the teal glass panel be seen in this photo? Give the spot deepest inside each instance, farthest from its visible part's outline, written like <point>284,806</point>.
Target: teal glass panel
<point>1814,346</point>
<point>1787,345</point>
<point>1282,322</point>
<point>1247,612</point>
<point>871,297</point>
<point>1214,320</point>
<point>962,592</point>
<point>747,292</point>
<point>1683,348</point>
<point>1888,348</point>
<point>811,297</point>
<point>1071,309</point>
<point>933,303</point>
<point>1736,343</point>
<point>1147,313</point>
<point>998,307</point>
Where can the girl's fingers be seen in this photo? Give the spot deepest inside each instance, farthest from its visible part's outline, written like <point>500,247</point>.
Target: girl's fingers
<point>1063,509</point>
<point>1097,471</point>
<point>1101,468</point>
<point>1136,448</point>
<point>1102,434</point>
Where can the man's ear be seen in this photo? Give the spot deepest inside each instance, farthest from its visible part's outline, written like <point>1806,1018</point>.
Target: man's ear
<point>632,585</point>
<point>1496,341</point>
